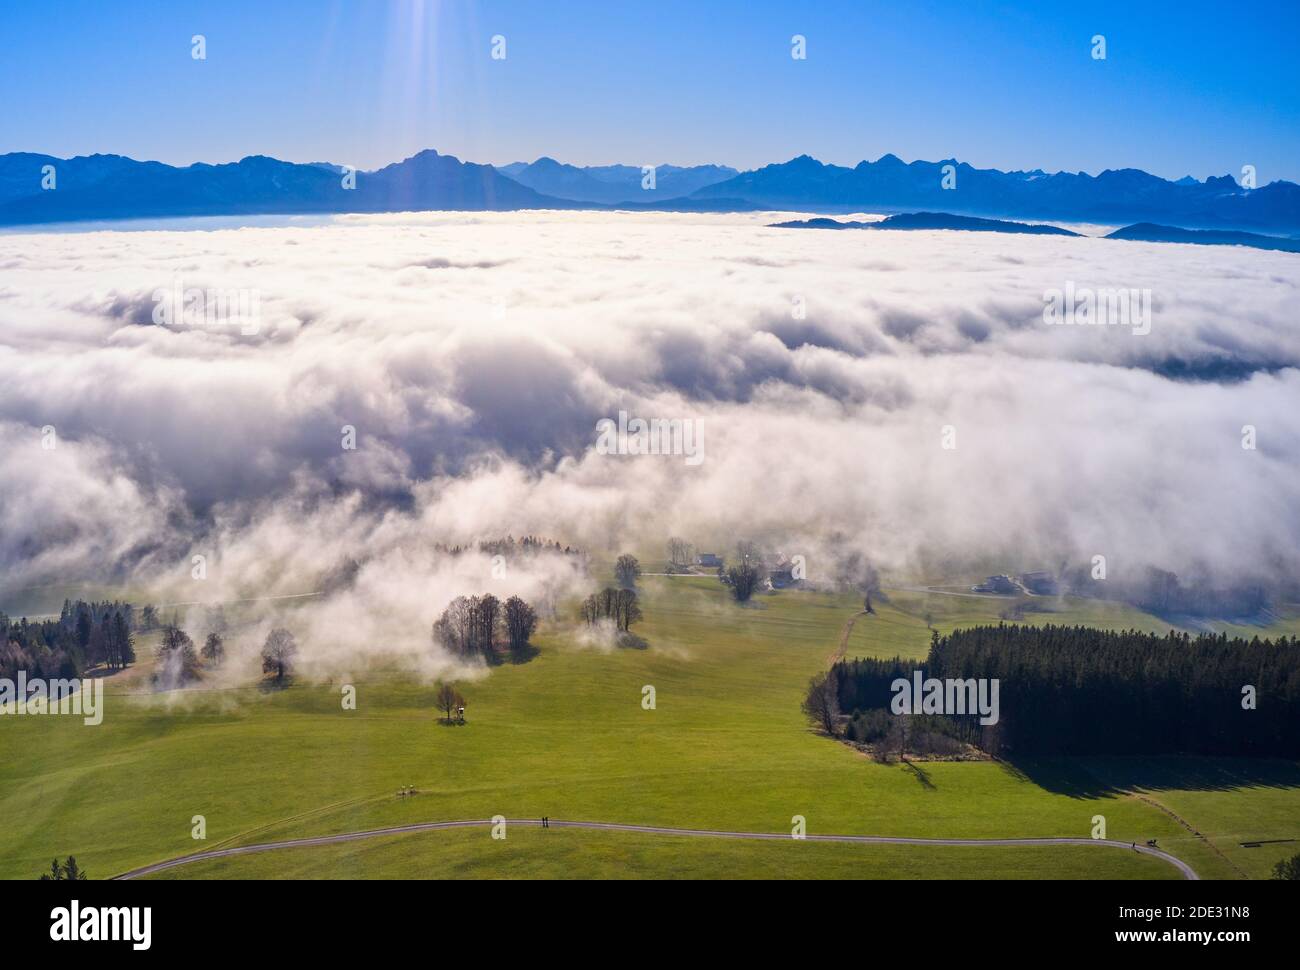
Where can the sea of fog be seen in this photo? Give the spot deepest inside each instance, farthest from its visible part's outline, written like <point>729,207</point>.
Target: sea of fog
<point>371,388</point>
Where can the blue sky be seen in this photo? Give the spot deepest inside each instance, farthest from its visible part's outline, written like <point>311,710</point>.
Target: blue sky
<point>1196,89</point>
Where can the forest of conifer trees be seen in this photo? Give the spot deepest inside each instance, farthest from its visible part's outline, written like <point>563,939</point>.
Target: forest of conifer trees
<point>1082,691</point>
<point>85,635</point>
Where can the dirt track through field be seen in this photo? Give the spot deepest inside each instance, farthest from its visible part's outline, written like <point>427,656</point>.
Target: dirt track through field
<point>838,655</point>
<point>1182,867</point>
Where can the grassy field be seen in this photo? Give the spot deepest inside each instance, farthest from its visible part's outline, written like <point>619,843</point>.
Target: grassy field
<point>565,735</point>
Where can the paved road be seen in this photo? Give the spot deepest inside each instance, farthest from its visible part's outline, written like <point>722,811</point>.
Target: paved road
<point>1184,868</point>
<point>1008,597</point>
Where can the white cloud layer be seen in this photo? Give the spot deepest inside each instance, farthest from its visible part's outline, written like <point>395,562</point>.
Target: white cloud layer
<point>474,355</point>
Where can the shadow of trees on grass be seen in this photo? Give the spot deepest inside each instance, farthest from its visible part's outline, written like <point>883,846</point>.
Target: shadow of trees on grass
<point>1080,777</point>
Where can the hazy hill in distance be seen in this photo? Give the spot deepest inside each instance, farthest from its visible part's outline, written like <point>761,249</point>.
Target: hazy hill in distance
<point>613,183</point>
<point>931,220</point>
<point>1147,232</point>
<point>1141,232</point>
<point>1116,196</point>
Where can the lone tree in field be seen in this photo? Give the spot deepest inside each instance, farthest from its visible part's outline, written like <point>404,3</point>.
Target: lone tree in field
<point>521,620</point>
<point>449,701</point>
<point>214,650</point>
<point>743,580</point>
<point>177,660</point>
<point>821,703</point>
<point>279,653</point>
<point>627,570</point>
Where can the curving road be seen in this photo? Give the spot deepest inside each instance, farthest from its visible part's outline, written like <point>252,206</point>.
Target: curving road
<point>1179,864</point>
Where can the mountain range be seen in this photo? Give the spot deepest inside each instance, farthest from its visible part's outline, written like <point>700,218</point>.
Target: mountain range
<point>1115,196</point>
<point>106,187</point>
<point>613,183</point>
<point>114,187</point>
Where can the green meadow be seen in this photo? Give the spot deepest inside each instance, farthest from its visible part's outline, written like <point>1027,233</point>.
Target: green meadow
<point>566,735</point>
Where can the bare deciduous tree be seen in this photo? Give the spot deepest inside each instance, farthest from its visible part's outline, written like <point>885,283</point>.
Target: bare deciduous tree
<point>743,580</point>
<point>279,653</point>
<point>626,570</point>
<point>520,621</point>
<point>214,650</point>
<point>448,700</point>
<point>619,605</point>
<point>177,660</point>
<point>468,625</point>
<point>821,703</point>
<point>626,609</point>
<point>679,553</point>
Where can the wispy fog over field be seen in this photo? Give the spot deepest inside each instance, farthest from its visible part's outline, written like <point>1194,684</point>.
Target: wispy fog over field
<point>473,356</point>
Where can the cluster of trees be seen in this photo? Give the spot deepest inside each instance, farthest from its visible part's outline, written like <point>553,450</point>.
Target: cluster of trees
<point>1162,592</point>
<point>476,625</point>
<point>619,605</point>
<point>680,554</point>
<point>179,662</point>
<point>1082,691</point>
<point>85,635</point>
<point>36,648</point>
<point>66,871</point>
<point>511,547</point>
<point>102,632</point>
<point>892,736</point>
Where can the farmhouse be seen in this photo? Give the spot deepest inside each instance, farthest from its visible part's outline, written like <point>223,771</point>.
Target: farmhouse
<point>709,560</point>
<point>998,584</point>
<point>781,575</point>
